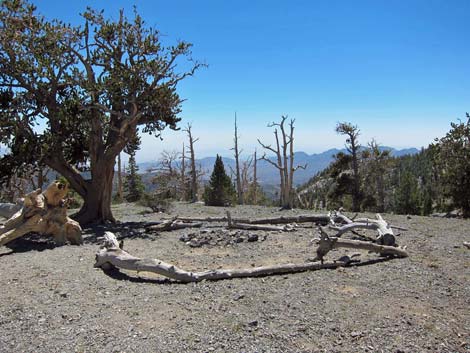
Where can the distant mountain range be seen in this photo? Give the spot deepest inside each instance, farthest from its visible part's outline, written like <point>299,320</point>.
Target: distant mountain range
<point>268,174</point>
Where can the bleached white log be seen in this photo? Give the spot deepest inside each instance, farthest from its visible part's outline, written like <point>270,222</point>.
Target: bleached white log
<point>111,255</point>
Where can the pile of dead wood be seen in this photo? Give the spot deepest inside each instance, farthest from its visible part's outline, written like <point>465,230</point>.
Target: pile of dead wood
<point>112,254</point>
<point>46,213</point>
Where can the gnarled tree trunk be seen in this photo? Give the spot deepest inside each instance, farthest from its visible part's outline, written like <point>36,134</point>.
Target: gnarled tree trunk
<point>44,213</point>
<point>97,199</point>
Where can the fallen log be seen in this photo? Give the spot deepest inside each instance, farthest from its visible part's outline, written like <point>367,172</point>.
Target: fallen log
<point>316,218</point>
<point>111,255</point>
<point>232,224</point>
<point>44,213</point>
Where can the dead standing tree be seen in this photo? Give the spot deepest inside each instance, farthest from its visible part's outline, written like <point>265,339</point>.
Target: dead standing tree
<point>237,152</point>
<point>285,161</point>
<point>167,177</point>
<point>183,174</point>
<point>192,161</point>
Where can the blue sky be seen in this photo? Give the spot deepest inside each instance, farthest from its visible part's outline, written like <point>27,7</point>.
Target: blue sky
<point>398,69</point>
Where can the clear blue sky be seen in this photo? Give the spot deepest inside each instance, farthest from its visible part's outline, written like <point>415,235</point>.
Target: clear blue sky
<point>398,69</point>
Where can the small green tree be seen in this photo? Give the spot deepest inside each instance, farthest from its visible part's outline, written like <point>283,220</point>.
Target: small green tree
<point>133,186</point>
<point>453,162</point>
<point>220,191</point>
<point>376,167</point>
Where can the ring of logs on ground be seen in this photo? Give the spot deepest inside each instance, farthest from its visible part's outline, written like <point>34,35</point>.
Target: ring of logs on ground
<point>44,213</point>
<point>112,255</point>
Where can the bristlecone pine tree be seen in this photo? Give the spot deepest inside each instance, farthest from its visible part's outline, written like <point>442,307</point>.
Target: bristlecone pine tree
<point>220,191</point>
<point>92,87</point>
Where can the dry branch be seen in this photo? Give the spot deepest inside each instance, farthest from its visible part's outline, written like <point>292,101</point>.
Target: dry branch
<point>326,243</point>
<point>44,213</point>
<point>385,233</point>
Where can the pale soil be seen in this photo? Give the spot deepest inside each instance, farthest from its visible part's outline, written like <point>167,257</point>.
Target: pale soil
<point>53,300</point>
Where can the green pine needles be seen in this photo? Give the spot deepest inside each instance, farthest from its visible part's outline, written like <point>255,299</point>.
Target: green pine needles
<point>220,191</point>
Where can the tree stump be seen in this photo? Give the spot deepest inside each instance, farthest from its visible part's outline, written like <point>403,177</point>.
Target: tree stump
<point>44,213</point>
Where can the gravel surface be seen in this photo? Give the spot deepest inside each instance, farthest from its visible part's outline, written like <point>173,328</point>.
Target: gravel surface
<point>53,300</point>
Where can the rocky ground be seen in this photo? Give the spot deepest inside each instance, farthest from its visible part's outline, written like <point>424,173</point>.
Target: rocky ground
<point>53,300</point>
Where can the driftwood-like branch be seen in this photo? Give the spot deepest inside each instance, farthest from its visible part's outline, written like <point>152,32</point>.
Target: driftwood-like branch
<point>247,226</point>
<point>44,213</point>
<point>385,233</point>
<point>326,243</point>
<point>172,224</point>
<point>111,255</point>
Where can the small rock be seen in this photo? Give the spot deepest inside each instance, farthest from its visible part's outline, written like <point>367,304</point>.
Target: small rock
<point>253,323</point>
<point>252,237</point>
<point>238,297</point>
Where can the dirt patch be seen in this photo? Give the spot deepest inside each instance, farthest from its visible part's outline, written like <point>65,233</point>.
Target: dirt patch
<point>54,301</point>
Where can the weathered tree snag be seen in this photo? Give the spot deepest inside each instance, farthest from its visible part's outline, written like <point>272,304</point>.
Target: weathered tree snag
<point>326,243</point>
<point>43,213</point>
<point>192,161</point>
<point>237,152</point>
<point>172,224</point>
<point>285,162</point>
<point>111,255</point>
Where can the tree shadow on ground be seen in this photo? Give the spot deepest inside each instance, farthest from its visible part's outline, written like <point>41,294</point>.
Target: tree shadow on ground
<point>30,242</point>
<point>122,230</point>
<point>115,273</point>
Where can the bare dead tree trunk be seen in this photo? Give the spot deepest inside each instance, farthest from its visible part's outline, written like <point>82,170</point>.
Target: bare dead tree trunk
<point>183,173</point>
<point>237,164</point>
<point>255,180</point>
<point>193,171</point>
<point>245,183</point>
<point>285,162</point>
